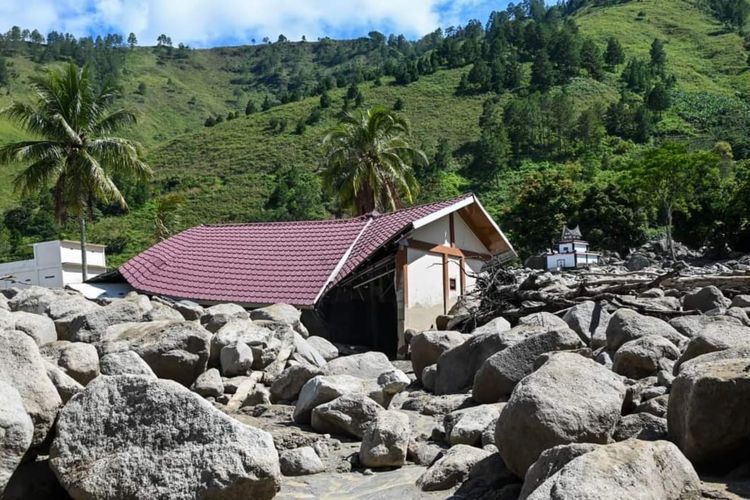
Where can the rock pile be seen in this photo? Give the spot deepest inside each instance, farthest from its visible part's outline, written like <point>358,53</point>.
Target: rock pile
<point>577,391</point>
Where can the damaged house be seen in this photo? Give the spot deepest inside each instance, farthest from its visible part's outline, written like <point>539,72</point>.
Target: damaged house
<point>363,280</point>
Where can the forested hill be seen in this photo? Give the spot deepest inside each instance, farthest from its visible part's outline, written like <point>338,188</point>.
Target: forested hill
<point>549,114</point>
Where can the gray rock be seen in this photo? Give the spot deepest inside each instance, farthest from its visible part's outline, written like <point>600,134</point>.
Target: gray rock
<point>549,408</point>
<point>258,396</point>
<point>708,405</point>
<point>324,347</point>
<point>16,432</point>
<point>306,353</point>
<point>176,350</point>
<point>66,309</point>
<point>38,327</point>
<point>385,440</point>
<point>35,299</point>
<point>741,301</point>
<point>629,469</point>
<point>162,312</point>
<point>626,325</point>
<point>716,336</point>
<point>637,262</point>
<point>209,384</point>
<point>215,317</point>
<point>300,462</point>
<point>130,436</point>
<point>423,453</point>
<point>348,415</point>
<point>367,365</point>
<point>644,356</point>
<point>236,331</point>
<point>497,325</point>
<point>429,374</point>
<point>543,319</point>
<point>426,348</point>
<point>740,314</point>
<point>589,320</point>
<point>22,367</point>
<point>500,373</point>
<point>124,363</point>
<point>281,313</point>
<point>643,426</point>
<point>286,387</point>
<point>551,461</point>
<point>324,388</point>
<point>655,406</point>
<point>77,359</point>
<point>456,367</point>
<point>189,310</point>
<point>704,299</point>
<point>236,359</point>
<point>452,468</point>
<point>92,325</point>
<point>692,326</point>
<point>65,385</point>
<point>467,426</point>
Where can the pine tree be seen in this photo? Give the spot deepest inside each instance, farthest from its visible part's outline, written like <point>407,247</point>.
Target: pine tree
<point>4,74</point>
<point>352,91</point>
<point>542,74</point>
<point>591,59</point>
<point>132,40</point>
<point>398,105</point>
<point>325,100</point>
<point>267,104</point>
<point>480,76</point>
<point>250,108</point>
<point>658,99</point>
<point>658,57</point>
<point>613,55</point>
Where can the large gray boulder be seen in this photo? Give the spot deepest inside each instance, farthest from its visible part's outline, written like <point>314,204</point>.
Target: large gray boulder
<point>324,347</point>
<point>124,363</point>
<point>66,309</point>
<point>500,373</point>
<point>289,383</point>
<point>22,367</point>
<point>693,325</point>
<point>324,388</point>
<point>626,325</point>
<point>215,317</point>
<point>36,299</point>
<point>306,353</point>
<point>346,415</point>
<point>130,436</point>
<point>551,407</point>
<point>708,407</point>
<point>452,468</point>
<point>281,313</point>
<point>176,350</point>
<point>367,365</point>
<point>239,331</point>
<point>426,348</point>
<point>543,319</point>
<point>38,327</point>
<point>497,325</point>
<point>644,356</point>
<point>385,440</point>
<point>467,425</point>
<point>589,320</point>
<point>704,299</point>
<point>300,462</point>
<point>77,359</point>
<point>551,461</point>
<point>457,366</point>
<point>92,325</point>
<point>742,301</point>
<point>641,425</point>
<point>236,359</point>
<point>209,384</point>
<point>716,336</point>
<point>190,310</point>
<point>16,432</point>
<point>66,386</point>
<point>629,469</point>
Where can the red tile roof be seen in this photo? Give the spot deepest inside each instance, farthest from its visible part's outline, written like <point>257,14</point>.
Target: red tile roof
<point>265,263</point>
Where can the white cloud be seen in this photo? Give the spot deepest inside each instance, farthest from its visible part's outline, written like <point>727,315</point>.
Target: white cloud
<point>205,22</point>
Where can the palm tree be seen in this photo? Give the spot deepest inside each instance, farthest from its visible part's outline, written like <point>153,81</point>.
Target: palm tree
<point>73,150</point>
<point>368,161</point>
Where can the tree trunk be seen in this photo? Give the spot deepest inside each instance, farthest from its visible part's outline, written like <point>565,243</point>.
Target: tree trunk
<point>82,228</point>
<point>670,241</point>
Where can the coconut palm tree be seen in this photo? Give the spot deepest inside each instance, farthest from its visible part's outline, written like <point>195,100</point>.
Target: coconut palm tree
<point>73,149</point>
<point>368,161</point>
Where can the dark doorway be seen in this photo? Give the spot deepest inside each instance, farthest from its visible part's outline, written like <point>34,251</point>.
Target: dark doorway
<point>363,312</point>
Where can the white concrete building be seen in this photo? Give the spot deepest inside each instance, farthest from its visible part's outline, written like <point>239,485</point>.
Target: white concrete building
<point>572,252</point>
<point>55,265</point>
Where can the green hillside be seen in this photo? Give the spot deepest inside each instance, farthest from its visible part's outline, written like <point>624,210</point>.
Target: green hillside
<point>228,172</point>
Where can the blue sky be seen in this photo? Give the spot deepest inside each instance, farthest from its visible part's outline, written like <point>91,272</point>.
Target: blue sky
<point>205,23</point>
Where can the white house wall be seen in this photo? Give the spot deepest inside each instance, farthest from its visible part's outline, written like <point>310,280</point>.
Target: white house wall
<point>465,237</point>
<point>437,232</point>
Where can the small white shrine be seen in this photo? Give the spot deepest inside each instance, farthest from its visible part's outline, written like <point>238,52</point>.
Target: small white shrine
<point>572,252</point>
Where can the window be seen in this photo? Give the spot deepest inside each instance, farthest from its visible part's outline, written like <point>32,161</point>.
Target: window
<point>452,283</point>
